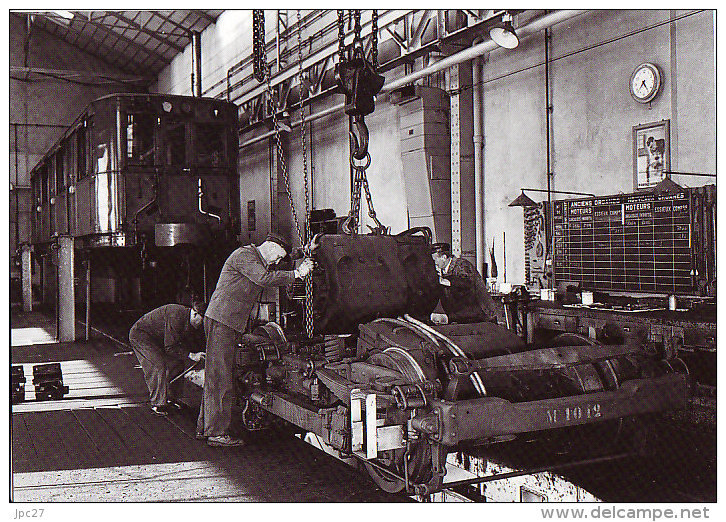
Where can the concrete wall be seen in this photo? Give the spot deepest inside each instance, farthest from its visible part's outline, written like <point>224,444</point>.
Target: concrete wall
<point>593,111</point>
<point>41,109</point>
<point>592,119</point>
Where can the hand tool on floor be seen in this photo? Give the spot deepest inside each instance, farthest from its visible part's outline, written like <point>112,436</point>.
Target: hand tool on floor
<point>182,374</point>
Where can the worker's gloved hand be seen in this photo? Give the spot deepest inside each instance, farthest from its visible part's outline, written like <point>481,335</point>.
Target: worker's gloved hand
<point>313,244</point>
<point>439,318</point>
<point>305,268</point>
<point>196,356</point>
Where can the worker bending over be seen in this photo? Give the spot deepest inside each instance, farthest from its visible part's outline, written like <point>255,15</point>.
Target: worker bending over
<point>464,298</point>
<point>162,340</point>
<point>246,272</point>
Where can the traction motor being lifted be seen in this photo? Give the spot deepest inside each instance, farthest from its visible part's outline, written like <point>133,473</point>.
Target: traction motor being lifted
<point>379,383</point>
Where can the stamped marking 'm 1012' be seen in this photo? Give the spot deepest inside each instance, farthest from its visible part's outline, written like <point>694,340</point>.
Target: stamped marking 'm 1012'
<point>573,413</point>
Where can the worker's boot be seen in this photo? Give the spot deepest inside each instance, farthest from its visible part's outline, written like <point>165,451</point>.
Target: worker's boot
<point>224,441</point>
<point>162,411</point>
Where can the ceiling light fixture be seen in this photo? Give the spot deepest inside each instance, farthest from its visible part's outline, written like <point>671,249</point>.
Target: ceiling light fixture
<point>503,33</point>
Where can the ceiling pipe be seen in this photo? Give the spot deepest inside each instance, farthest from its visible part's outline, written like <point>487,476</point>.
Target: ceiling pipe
<point>196,63</point>
<point>310,117</point>
<point>533,27</point>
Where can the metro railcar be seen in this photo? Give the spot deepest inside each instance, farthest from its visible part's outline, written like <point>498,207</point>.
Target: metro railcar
<point>144,183</point>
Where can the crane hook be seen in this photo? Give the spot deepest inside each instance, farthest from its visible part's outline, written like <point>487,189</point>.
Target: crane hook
<point>359,141</point>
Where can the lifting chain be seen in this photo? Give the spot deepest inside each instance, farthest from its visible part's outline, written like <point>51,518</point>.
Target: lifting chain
<point>374,39</point>
<point>341,36</point>
<point>280,153</point>
<point>360,180</point>
<point>283,165</point>
<point>258,44</point>
<point>358,80</point>
<point>309,325</point>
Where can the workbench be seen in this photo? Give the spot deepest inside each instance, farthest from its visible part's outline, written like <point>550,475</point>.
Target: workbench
<point>689,334</point>
<point>674,330</point>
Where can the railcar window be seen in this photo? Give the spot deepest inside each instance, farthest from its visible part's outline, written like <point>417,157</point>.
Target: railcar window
<point>36,192</point>
<point>44,185</point>
<point>60,179</point>
<point>210,139</point>
<point>176,143</point>
<point>140,139</point>
<point>50,162</point>
<point>81,147</point>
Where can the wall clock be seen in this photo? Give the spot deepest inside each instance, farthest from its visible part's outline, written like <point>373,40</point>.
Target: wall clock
<point>645,82</point>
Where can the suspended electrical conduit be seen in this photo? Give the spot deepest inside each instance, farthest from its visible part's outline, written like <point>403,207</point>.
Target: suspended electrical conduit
<point>534,26</point>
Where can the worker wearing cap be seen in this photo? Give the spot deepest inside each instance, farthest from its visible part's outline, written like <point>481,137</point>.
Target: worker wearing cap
<point>247,271</point>
<point>465,298</point>
<point>162,340</point>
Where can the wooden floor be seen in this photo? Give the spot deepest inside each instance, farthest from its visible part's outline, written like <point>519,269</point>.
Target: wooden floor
<point>103,443</point>
<point>130,454</point>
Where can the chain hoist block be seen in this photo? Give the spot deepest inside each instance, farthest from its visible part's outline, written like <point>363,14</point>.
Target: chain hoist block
<point>360,83</point>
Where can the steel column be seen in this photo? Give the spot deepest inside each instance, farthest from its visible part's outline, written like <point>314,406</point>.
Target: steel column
<point>454,117</point>
<point>88,298</point>
<point>478,109</point>
<point>26,267</point>
<point>66,291</point>
<point>196,63</point>
<point>462,163</point>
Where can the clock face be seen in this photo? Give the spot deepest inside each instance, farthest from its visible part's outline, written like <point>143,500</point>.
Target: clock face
<point>645,82</point>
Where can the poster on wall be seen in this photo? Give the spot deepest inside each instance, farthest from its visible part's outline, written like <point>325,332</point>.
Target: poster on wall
<point>651,153</point>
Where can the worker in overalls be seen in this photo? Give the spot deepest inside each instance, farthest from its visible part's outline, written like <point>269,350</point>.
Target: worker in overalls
<point>246,272</point>
<point>464,297</point>
<point>163,340</point>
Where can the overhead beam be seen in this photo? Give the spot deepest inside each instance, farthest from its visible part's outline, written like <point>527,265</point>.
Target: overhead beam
<point>329,50</point>
<point>175,24</point>
<point>153,34</point>
<point>80,74</point>
<point>104,28</point>
<point>104,52</point>
<point>130,43</point>
<point>203,14</point>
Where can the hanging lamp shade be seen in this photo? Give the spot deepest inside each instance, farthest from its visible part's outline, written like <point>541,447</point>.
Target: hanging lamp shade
<point>502,33</point>
<point>523,200</point>
<point>667,186</point>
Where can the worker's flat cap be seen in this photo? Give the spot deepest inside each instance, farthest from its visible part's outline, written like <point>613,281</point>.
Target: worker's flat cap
<point>277,238</point>
<point>444,248</point>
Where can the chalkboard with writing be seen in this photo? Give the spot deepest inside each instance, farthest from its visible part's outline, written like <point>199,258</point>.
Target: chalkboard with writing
<point>627,242</point>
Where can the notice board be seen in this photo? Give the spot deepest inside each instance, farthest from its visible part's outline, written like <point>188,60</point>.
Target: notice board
<point>641,242</point>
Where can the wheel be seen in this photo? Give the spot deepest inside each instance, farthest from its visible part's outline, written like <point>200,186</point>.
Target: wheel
<point>419,467</point>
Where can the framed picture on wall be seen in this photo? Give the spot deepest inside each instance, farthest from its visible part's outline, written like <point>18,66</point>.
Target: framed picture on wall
<point>651,153</point>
